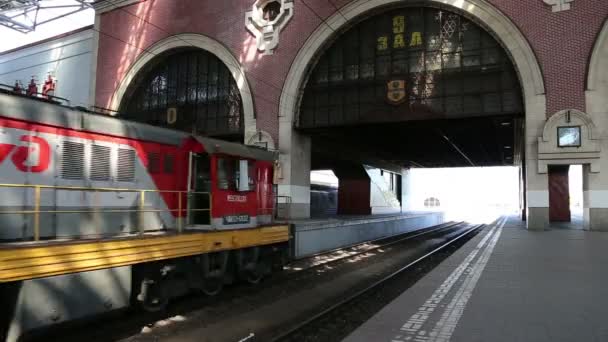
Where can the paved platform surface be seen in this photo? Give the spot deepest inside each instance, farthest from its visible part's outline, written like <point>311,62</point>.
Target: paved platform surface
<point>345,219</point>
<point>506,284</point>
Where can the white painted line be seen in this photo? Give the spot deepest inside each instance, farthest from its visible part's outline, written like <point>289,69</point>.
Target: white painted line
<point>443,330</point>
<point>412,328</point>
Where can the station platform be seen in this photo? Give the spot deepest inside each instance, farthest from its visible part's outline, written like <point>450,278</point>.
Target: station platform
<point>505,284</point>
<point>313,236</point>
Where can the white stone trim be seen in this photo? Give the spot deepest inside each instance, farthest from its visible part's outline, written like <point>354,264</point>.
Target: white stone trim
<point>596,106</point>
<point>538,199</point>
<point>595,198</point>
<point>558,5</point>
<point>599,61</point>
<point>267,32</point>
<point>261,139</point>
<point>110,5</point>
<point>597,81</point>
<point>202,42</point>
<point>589,151</point>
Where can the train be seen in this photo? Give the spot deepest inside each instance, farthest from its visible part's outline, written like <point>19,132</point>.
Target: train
<point>99,213</point>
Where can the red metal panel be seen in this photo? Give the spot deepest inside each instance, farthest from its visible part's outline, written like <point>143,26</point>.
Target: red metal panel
<point>559,196</point>
<point>354,197</point>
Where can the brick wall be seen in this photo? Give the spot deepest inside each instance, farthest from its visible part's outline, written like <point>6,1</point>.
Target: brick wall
<point>561,41</point>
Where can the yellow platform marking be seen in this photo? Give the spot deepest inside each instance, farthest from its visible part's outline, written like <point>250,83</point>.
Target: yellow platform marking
<point>20,263</point>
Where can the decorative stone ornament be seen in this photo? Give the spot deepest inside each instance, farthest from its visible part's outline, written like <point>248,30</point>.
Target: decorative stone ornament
<point>260,139</point>
<point>266,20</point>
<point>580,144</point>
<point>558,5</point>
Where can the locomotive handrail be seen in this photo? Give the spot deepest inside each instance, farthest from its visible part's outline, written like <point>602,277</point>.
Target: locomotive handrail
<point>141,210</point>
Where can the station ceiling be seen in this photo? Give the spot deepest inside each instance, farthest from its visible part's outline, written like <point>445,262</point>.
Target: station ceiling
<point>484,141</point>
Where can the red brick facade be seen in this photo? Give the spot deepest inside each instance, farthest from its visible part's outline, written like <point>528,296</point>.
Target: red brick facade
<point>562,42</point>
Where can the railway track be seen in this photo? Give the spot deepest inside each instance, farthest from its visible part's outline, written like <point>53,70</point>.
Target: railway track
<point>317,326</point>
<point>241,299</point>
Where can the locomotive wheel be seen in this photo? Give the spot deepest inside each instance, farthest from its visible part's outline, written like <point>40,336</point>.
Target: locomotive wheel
<point>255,273</point>
<point>212,286</point>
<point>254,276</point>
<point>155,299</point>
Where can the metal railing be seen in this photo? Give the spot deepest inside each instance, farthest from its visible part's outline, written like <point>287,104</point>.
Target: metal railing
<point>281,204</point>
<point>99,209</point>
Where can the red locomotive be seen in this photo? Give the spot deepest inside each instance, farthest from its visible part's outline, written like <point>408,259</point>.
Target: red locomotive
<point>113,212</point>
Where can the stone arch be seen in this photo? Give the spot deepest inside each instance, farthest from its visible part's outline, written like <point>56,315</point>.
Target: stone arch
<point>205,43</point>
<point>293,146</point>
<point>595,184</point>
<point>507,33</point>
<point>589,131</point>
<point>597,78</point>
<point>587,153</point>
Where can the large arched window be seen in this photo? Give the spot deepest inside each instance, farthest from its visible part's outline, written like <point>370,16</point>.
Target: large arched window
<point>189,90</point>
<point>410,64</point>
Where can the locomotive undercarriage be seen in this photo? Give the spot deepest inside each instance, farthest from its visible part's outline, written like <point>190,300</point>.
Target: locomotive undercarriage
<point>29,306</point>
<point>155,284</point>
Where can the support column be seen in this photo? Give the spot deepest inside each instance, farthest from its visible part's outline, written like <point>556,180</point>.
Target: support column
<point>537,198</point>
<point>595,195</point>
<point>595,184</point>
<point>354,192</point>
<point>523,206</point>
<point>536,184</point>
<point>406,190</point>
<point>294,185</point>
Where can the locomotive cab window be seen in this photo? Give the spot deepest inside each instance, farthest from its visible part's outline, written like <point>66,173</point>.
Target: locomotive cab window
<point>235,174</point>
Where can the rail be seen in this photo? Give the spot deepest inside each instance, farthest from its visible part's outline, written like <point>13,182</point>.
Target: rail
<point>95,209</point>
<point>290,334</point>
<point>281,204</point>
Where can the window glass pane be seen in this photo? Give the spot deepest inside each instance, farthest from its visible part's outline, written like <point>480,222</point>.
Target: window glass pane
<point>196,84</point>
<point>449,64</point>
<point>227,173</point>
<point>569,136</point>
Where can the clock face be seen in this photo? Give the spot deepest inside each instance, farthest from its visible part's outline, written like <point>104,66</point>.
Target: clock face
<point>569,136</point>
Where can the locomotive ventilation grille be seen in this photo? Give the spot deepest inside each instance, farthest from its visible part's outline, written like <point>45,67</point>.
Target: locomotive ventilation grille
<point>100,163</point>
<point>72,161</point>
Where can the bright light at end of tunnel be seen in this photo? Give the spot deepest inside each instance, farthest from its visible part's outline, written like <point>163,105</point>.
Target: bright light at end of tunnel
<point>324,177</point>
<point>472,194</point>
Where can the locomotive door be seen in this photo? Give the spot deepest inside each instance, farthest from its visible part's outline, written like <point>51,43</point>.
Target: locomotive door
<point>200,190</point>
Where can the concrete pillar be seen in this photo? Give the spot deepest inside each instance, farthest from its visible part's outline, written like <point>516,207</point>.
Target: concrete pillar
<point>595,195</point>
<point>294,184</point>
<point>406,190</point>
<point>537,184</point>
<point>522,192</point>
<point>595,184</point>
<point>537,198</point>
